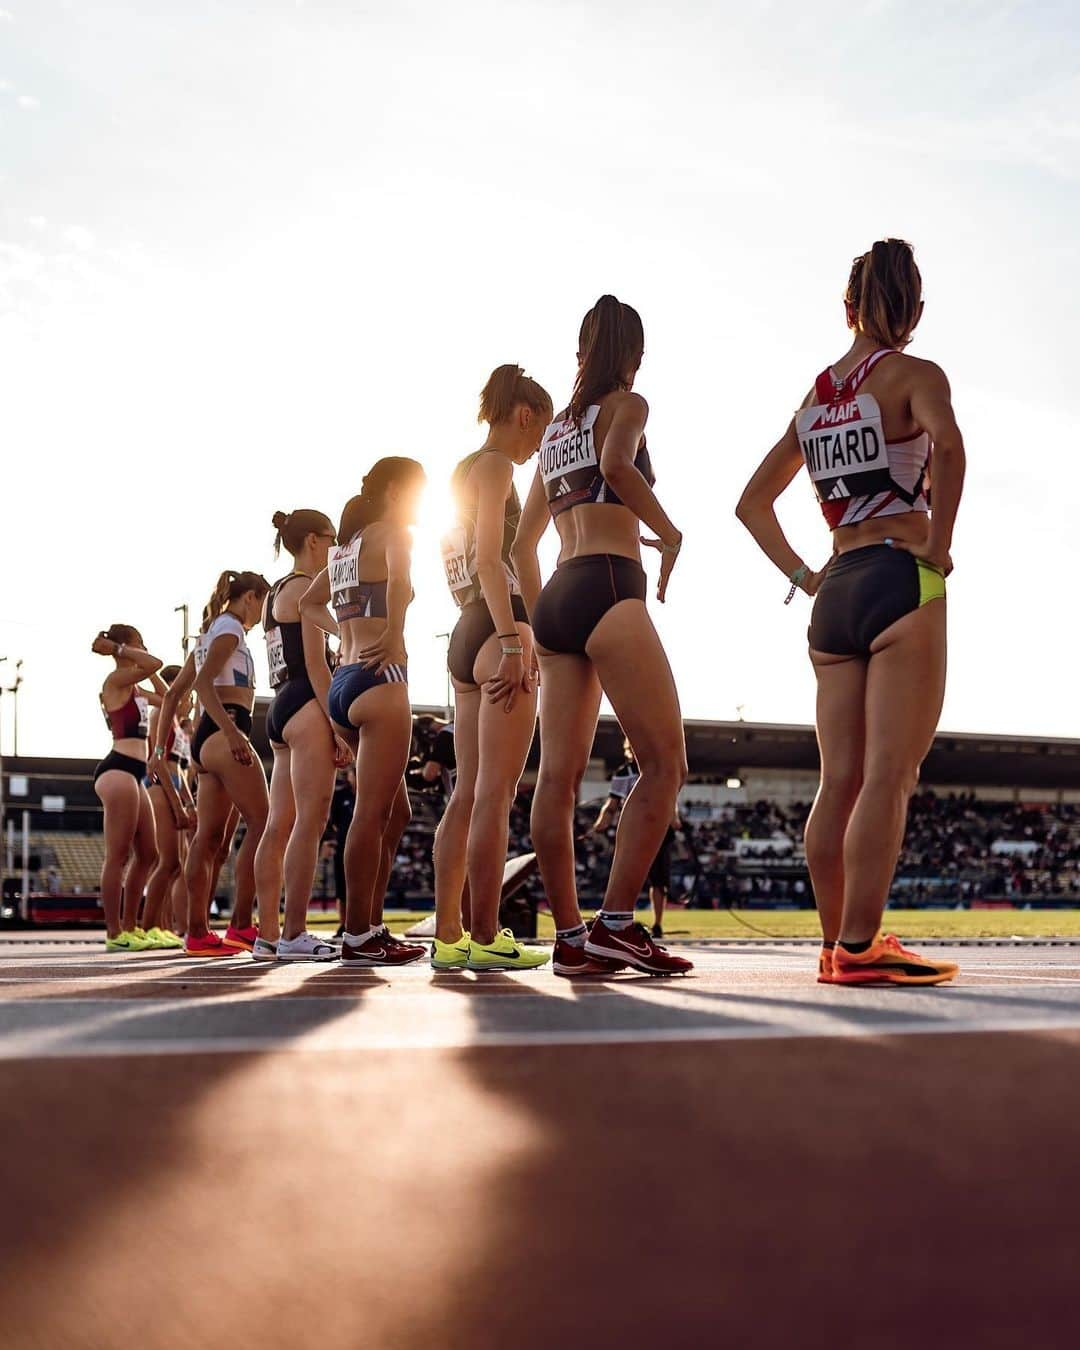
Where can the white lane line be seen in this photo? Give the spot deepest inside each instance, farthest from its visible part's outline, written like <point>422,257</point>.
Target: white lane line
<point>30,1048</point>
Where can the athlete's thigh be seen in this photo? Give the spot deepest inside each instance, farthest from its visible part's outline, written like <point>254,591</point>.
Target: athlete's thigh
<point>905,686</point>
<point>569,708</point>
<point>312,756</point>
<point>168,838</point>
<point>118,793</point>
<point>504,738</point>
<point>244,783</point>
<point>282,801</point>
<point>213,809</point>
<point>383,751</point>
<point>840,714</point>
<point>145,831</point>
<point>636,676</point>
<point>467,701</point>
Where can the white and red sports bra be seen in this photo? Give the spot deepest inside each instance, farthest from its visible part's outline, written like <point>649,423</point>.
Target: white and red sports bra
<point>857,474</point>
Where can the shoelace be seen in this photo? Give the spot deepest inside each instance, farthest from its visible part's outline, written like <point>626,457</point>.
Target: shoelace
<point>891,941</point>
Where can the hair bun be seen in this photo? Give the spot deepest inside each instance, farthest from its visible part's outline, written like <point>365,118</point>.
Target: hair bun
<point>279,520</point>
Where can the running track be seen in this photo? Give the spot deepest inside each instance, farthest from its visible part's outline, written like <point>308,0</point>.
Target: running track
<point>205,1155</point>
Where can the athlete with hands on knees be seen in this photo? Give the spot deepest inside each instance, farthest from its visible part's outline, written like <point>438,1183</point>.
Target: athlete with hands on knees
<point>366,581</point>
<point>594,636</point>
<point>870,433</point>
<point>492,666</point>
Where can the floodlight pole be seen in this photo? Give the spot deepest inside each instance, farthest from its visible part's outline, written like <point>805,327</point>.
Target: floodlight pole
<point>186,639</point>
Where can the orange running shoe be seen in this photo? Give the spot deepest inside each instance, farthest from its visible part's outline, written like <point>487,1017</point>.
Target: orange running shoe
<point>885,961</point>
<point>825,966</point>
<point>242,939</point>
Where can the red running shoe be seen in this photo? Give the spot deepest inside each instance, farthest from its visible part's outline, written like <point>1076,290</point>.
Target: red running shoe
<point>208,945</point>
<point>574,961</point>
<point>241,939</point>
<point>825,966</point>
<point>633,946</point>
<point>381,949</point>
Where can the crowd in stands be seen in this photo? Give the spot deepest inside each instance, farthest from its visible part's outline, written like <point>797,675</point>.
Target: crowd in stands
<point>958,849</point>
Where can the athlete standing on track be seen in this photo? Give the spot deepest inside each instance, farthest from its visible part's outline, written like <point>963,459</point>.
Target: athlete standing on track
<point>869,432</point>
<point>491,665</point>
<point>302,779</point>
<point>118,782</point>
<point>170,802</point>
<point>594,636</point>
<point>231,773</point>
<point>367,582</point>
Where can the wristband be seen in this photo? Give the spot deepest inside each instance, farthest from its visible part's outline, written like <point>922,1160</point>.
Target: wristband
<point>796,578</point>
<point>502,636</point>
<point>513,651</point>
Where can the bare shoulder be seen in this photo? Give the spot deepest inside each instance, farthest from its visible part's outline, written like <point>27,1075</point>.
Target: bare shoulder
<point>492,468</point>
<point>625,403</point>
<point>917,372</point>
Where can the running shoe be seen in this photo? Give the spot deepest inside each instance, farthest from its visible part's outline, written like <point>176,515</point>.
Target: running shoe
<point>264,950</point>
<point>635,947</point>
<point>573,961</point>
<point>657,930</point>
<point>505,953</point>
<point>163,938</point>
<point>127,941</point>
<point>306,947</point>
<point>243,939</point>
<point>825,966</point>
<point>450,955</point>
<point>210,944</point>
<point>380,950</point>
<point>885,961</point>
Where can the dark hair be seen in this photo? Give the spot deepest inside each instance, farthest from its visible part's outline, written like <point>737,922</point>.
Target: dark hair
<point>506,389</point>
<point>368,506</point>
<point>169,673</point>
<point>610,347</point>
<point>121,633</point>
<point>884,292</point>
<point>293,527</point>
<point>231,586</point>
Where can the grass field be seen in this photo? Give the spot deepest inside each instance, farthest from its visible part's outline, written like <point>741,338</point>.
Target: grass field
<point>907,923</point>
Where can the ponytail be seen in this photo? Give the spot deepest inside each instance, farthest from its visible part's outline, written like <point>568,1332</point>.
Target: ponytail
<point>507,388</point>
<point>293,527</point>
<point>611,344</point>
<point>231,586</point>
<point>884,293</point>
<point>370,503</point>
<point>122,633</point>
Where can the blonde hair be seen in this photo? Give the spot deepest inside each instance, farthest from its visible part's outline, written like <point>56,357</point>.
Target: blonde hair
<point>507,388</point>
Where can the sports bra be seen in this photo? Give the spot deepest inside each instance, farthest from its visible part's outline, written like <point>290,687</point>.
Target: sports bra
<point>459,542</point>
<point>284,642</point>
<point>351,598</point>
<point>132,721</point>
<point>857,474</point>
<point>570,463</point>
<point>239,672</point>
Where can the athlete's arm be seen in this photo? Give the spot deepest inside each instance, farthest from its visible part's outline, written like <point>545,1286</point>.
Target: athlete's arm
<point>145,664</point>
<point>931,408</point>
<point>604,818</point>
<point>389,649</point>
<point>318,672</point>
<point>757,507</point>
<point>623,475</point>
<point>171,700</point>
<point>220,650</point>
<point>535,518</point>
<point>493,475</point>
<point>313,605</point>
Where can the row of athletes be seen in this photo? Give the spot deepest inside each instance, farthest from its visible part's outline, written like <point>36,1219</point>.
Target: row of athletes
<point>869,432</point>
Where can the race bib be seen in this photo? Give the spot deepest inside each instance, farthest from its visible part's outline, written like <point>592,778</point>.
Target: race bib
<point>144,715</point>
<point>343,565</point>
<point>844,447</point>
<point>275,657</point>
<point>568,454</point>
<point>455,559</point>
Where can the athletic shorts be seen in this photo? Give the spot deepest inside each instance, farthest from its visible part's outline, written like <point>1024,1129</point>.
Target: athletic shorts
<point>473,628</point>
<point>866,590</point>
<point>289,699</point>
<point>124,763</point>
<point>350,682</point>
<point>579,594</point>
<point>207,727</point>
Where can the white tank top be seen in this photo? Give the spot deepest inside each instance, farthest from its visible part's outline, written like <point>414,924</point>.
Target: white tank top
<point>239,671</point>
<point>857,474</point>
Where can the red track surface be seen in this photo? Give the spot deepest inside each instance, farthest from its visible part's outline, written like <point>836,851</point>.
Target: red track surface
<point>745,1159</point>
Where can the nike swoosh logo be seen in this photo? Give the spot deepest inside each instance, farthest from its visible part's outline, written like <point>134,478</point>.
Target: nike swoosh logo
<point>505,956</point>
<point>638,951</point>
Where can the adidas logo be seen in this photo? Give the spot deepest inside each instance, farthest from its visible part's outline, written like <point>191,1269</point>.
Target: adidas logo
<point>839,490</point>
<point>563,488</point>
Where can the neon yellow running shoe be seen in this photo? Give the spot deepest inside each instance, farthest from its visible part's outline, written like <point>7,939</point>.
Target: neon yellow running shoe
<point>505,953</point>
<point>163,939</point>
<point>128,942</point>
<point>450,955</point>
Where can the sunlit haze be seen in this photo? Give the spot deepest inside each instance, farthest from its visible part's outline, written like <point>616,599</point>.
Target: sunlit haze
<point>247,250</point>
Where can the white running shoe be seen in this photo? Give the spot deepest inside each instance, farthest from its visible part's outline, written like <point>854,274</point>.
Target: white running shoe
<point>306,947</point>
<point>263,950</point>
<point>425,928</point>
